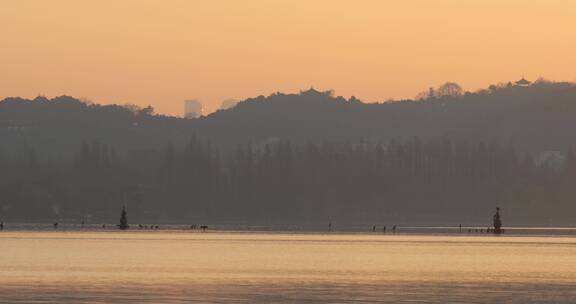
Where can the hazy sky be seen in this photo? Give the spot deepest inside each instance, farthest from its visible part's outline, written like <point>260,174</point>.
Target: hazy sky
<point>161,52</point>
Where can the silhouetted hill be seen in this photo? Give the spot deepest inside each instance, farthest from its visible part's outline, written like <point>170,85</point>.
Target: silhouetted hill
<point>537,117</point>
<point>56,127</point>
<point>534,118</point>
<point>446,157</point>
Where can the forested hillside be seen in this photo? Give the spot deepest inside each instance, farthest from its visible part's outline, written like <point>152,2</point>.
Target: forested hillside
<point>448,156</point>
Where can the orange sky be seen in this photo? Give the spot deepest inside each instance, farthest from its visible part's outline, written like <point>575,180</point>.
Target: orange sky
<point>161,52</point>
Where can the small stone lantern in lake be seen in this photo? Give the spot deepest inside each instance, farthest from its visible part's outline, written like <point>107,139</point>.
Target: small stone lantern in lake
<point>497,222</point>
<point>123,219</point>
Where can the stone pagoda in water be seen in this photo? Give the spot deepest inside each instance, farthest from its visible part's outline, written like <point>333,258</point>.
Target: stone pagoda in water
<point>497,222</point>
<point>123,219</point>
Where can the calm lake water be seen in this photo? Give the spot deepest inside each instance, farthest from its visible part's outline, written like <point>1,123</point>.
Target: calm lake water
<point>275,267</point>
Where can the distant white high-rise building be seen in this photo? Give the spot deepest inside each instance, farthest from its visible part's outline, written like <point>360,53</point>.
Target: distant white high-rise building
<point>228,103</point>
<point>192,108</point>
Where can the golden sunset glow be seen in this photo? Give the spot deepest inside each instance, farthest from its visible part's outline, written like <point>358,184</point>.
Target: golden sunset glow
<point>163,52</point>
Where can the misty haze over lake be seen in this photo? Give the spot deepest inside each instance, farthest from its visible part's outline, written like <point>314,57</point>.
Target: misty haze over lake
<point>287,152</point>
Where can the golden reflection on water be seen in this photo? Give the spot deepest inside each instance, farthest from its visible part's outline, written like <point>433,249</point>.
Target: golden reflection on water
<point>165,267</point>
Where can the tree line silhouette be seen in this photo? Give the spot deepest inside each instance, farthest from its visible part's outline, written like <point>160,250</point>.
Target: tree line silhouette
<point>411,180</point>
<point>447,155</point>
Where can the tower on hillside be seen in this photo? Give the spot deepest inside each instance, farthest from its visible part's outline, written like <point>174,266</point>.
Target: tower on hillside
<point>523,82</point>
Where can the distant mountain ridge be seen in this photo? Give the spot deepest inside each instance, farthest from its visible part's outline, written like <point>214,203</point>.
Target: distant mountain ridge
<point>538,117</point>
<point>309,157</point>
<point>534,118</point>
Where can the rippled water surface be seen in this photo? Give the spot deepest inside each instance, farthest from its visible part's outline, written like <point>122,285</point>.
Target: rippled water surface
<point>232,267</point>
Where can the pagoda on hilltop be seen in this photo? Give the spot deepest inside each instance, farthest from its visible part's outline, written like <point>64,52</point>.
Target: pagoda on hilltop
<point>523,82</point>
<point>312,92</point>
